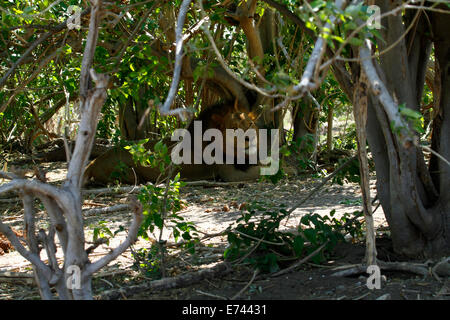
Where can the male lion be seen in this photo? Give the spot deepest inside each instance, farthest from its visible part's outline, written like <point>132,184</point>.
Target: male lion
<point>117,164</point>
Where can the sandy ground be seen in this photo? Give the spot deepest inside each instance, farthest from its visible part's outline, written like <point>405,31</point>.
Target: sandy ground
<point>205,208</point>
<point>212,210</point>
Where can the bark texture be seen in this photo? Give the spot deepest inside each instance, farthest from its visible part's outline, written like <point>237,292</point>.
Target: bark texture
<point>415,200</point>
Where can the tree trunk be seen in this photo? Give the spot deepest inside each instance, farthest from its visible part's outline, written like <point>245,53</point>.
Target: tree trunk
<point>306,120</point>
<point>63,204</point>
<point>416,206</point>
<point>132,113</point>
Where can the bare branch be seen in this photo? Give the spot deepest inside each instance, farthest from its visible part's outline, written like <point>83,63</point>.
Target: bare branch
<point>8,175</point>
<point>41,65</point>
<point>96,211</point>
<point>300,262</point>
<point>86,133</point>
<point>436,154</point>
<point>183,280</point>
<point>286,12</point>
<point>224,65</point>
<point>30,256</point>
<point>35,187</point>
<point>382,94</point>
<point>307,82</point>
<point>89,51</point>
<point>360,102</point>
<point>237,295</point>
<point>131,238</point>
<point>165,109</point>
<point>324,181</point>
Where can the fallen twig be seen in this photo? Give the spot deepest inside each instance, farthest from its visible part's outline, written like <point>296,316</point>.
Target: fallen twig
<point>137,188</point>
<point>420,269</point>
<point>237,295</point>
<point>362,296</point>
<point>112,190</point>
<point>300,262</point>
<point>15,277</point>
<point>183,280</point>
<point>211,295</point>
<point>118,207</point>
<point>353,270</point>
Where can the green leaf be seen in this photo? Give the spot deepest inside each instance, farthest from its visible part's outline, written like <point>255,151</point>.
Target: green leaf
<point>356,41</point>
<point>299,244</point>
<point>378,35</point>
<point>311,235</point>
<point>409,113</point>
<point>350,25</point>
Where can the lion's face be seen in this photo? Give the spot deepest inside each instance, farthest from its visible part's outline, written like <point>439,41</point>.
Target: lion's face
<point>244,139</point>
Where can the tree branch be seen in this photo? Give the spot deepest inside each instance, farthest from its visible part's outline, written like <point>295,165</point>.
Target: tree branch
<point>165,108</point>
<point>380,91</point>
<point>131,238</point>
<point>306,82</point>
<point>33,46</point>
<point>30,256</point>
<point>89,51</point>
<point>93,99</point>
<point>35,187</point>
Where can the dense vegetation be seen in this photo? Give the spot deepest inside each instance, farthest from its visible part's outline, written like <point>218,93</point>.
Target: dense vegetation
<point>303,66</point>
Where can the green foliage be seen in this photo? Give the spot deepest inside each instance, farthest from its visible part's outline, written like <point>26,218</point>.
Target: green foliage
<point>161,202</point>
<point>348,140</point>
<point>103,233</point>
<point>258,241</point>
<point>161,206</point>
<point>203,68</point>
<point>136,61</point>
<point>318,12</point>
<point>106,125</point>
<point>413,117</point>
<point>299,148</point>
<point>414,122</point>
<point>318,230</point>
<point>348,174</point>
<point>246,234</point>
<point>158,157</point>
<point>349,224</point>
<point>147,261</point>
<point>119,171</point>
<point>277,177</point>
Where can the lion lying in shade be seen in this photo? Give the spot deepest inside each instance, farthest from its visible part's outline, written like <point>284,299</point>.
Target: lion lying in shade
<point>117,164</point>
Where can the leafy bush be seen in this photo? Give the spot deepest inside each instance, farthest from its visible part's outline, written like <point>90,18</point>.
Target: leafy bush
<point>102,233</point>
<point>348,174</point>
<point>257,241</point>
<point>161,204</point>
<point>158,157</point>
<point>148,261</point>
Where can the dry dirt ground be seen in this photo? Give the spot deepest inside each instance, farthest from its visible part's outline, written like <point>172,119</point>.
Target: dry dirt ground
<point>213,209</point>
